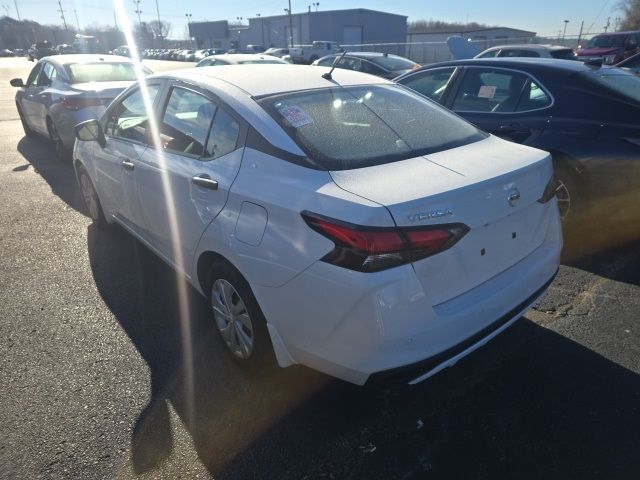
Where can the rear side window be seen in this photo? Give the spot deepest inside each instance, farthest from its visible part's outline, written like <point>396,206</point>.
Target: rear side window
<point>223,138</point>
<point>326,61</point>
<point>354,127</point>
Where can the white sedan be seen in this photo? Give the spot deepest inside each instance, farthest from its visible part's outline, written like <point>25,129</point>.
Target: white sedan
<point>238,59</point>
<point>338,221</point>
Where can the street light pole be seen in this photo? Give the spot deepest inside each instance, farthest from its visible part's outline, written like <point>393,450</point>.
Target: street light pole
<point>159,23</point>
<point>565,30</point>
<point>188,15</point>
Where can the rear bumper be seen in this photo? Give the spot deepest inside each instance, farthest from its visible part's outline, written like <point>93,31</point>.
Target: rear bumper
<point>358,326</point>
<point>423,369</point>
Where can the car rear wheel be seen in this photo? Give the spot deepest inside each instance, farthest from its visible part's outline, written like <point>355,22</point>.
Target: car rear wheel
<point>238,318</point>
<point>91,199</point>
<point>569,195</point>
<point>62,153</point>
<point>27,130</point>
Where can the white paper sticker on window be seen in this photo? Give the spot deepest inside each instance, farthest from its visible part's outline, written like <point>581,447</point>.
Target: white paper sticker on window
<point>295,116</point>
<point>487,91</point>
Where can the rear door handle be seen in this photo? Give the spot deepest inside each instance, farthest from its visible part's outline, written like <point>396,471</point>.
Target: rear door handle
<point>127,164</point>
<point>205,181</point>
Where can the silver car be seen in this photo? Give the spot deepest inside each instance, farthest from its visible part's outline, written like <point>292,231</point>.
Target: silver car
<point>64,90</point>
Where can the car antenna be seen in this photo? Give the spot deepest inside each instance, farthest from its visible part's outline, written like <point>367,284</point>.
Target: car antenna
<point>333,66</point>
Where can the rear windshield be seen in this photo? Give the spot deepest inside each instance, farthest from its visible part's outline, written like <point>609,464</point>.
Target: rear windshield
<point>353,127</point>
<point>619,81</point>
<point>249,62</point>
<point>394,63</point>
<point>103,72</point>
<point>564,54</point>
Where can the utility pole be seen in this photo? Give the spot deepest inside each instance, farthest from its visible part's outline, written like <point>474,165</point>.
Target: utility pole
<point>64,22</point>
<point>188,15</point>
<point>77,22</point>
<point>580,34</point>
<point>115,20</point>
<point>564,32</point>
<point>138,12</point>
<point>159,22</point>
<point>606,27</point>
<point>290,26</point>
<point>15,2</point>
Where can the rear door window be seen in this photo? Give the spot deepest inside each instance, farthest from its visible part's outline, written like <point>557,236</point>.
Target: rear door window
<point>500,91</point>
<point>186,122</point>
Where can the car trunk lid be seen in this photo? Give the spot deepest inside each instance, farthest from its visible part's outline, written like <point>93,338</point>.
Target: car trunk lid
<point>491,186</point>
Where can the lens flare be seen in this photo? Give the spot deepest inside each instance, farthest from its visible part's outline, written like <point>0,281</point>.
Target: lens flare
<point>183,299</point>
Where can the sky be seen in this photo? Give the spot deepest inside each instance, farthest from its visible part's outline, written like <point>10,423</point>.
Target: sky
<point>546,17</point>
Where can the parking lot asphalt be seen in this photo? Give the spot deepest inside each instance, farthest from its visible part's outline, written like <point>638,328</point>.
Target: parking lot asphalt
<point>95,381</point>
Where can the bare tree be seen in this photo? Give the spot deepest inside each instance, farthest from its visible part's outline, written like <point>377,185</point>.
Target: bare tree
<point>160,29</point>
<point>630,14</point>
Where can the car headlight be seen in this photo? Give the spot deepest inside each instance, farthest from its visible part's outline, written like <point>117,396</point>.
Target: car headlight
<point>608,59</point>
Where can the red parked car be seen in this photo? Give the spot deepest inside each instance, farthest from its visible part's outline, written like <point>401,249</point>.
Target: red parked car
<point>610,48</point>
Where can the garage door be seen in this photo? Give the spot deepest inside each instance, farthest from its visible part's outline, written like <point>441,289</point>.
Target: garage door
<point>352,36</point>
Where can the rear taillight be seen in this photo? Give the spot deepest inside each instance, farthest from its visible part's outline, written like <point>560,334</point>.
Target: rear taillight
<point>78,102</point>
<point>371,249</point>
<point>550,190</point>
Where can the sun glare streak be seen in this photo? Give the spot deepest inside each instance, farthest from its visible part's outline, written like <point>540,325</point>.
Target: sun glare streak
<point>183,302</point>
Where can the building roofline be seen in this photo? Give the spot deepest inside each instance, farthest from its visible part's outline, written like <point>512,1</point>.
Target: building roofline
<point>462,30</point>
<point>331,11</point>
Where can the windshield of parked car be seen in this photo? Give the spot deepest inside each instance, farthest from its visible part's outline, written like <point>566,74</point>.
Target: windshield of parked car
<point>102,72</point>
<point>619,81</point>
<point>249,62</point>
<point>353,127</point>
<point>566,54</point>
<point>394,63</point>
<point>606,41</point>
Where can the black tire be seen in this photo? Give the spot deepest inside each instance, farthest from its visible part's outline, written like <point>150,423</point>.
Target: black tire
<point>62,152</point>
<point>27,130</point>
<point>261,358</point>
<point>570,194</point>
<point>93,207</point>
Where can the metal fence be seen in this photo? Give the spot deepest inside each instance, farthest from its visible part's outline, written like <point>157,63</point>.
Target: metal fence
<point>426,52</point>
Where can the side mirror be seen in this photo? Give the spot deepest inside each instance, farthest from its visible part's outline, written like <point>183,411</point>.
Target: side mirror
<point>91,131</point>
<point>17,82</point>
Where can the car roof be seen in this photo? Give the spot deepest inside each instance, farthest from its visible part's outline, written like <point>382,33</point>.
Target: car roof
<point>86,58</point>
<point>272,79</point>
<point>517,62</point>
<point>239,57</point>
<point>366,54</point>
<point>529,46</point>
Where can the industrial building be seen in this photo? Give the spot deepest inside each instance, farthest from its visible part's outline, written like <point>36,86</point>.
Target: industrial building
<point>430,46</point>
<point>352,27</point>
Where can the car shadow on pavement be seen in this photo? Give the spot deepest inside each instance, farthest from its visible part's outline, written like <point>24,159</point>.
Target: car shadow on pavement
<point>59,175</point>
<point>531,404</point>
